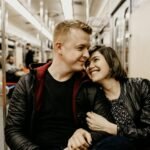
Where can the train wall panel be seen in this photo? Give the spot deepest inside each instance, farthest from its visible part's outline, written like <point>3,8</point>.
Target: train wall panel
<point>139,56</point>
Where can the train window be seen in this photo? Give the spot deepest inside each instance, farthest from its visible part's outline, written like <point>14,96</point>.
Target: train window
<point>126,39</point>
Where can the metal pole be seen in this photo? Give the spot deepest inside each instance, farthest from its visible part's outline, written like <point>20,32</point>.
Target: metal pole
<point>3,64</point>
<point>42,49</point>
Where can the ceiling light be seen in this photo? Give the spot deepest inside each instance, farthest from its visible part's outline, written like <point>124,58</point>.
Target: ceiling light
<point>67,9</point>
<point>26,14</point>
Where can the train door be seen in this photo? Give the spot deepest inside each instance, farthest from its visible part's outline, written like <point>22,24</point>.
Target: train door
<point>120,33</point>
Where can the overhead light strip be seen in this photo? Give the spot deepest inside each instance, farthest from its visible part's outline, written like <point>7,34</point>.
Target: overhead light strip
<point>28,16</point>
<point>67,8</point>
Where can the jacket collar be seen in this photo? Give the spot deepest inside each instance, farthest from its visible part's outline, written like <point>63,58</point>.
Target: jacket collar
<point>40,69</point>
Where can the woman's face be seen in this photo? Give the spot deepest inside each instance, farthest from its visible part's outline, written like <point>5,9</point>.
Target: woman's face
<point>97,67</point>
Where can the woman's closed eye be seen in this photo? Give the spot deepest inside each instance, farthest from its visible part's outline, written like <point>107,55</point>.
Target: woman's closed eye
<point>95,59</point>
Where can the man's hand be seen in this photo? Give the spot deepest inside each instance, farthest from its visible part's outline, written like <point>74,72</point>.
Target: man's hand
<point>80,140</point>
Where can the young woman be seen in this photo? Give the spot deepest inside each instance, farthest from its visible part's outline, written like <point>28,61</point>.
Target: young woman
<point>129,100</point>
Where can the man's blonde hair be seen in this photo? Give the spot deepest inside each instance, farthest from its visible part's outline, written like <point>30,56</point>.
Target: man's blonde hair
<point>63,28</point>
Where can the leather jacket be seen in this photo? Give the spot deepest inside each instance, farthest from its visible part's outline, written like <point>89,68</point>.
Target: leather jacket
<point>135,92</point>
<point>136,95</point>
<point>26,101</point>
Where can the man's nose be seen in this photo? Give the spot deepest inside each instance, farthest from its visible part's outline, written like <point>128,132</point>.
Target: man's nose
<point>86,54</point>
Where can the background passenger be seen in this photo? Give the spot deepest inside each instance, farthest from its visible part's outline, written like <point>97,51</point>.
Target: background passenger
<point>128,100</point>
<point>29,57</point>
<point>11,70</point>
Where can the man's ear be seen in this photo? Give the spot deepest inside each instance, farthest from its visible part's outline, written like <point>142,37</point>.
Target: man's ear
<point>58,47</point>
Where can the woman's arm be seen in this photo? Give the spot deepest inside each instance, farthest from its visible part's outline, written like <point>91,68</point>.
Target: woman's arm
<point>141,87</point>
<point>99,123</point>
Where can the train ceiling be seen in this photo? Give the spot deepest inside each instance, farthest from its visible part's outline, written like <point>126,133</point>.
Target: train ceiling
<point>52,13</point>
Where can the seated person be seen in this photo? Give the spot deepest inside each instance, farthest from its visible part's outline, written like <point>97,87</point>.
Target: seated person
<point>11,70</point>
<point>128,100</point>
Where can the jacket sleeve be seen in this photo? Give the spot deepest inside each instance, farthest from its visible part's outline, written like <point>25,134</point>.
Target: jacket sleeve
<point>90,98</point>
<point>16,132</point>
<point>101,107</point>
<point>142,117</point>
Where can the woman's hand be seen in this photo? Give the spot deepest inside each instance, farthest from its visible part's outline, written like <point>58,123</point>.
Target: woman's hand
<point>99,123</point>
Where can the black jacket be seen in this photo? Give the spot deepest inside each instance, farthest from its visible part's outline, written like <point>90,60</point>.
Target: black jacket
<point>26,101</point>
<point>136,95</point>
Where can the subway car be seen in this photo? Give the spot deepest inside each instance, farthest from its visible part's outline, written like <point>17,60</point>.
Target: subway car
<point>27,25</point>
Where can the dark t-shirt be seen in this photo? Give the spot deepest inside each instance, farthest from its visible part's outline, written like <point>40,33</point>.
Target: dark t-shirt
<point>55,123</point>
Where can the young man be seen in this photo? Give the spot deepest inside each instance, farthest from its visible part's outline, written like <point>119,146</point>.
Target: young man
<point>42,111</point>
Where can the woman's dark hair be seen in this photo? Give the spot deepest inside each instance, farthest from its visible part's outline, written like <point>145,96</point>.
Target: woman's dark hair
<point>116,69</point>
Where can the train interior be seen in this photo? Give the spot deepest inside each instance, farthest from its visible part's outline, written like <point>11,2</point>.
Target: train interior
<point>121,24</point>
